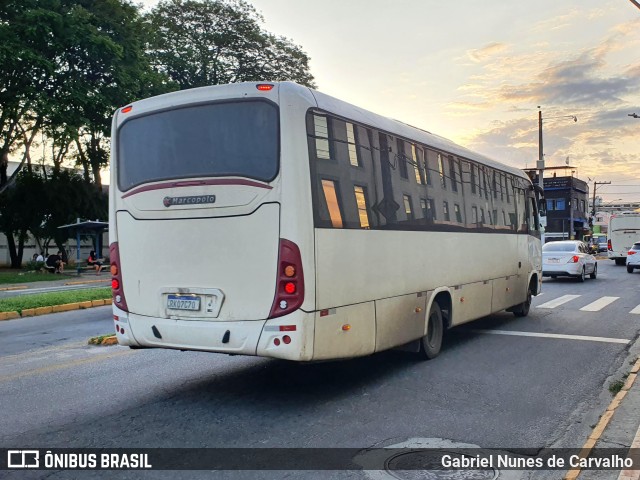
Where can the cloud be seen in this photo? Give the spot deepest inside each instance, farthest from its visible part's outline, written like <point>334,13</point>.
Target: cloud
<point>486,52</point>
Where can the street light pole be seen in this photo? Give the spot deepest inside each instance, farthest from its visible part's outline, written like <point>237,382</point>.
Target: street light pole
<point>540,165</point>
<point>540,150</point>
<point>571,229</point>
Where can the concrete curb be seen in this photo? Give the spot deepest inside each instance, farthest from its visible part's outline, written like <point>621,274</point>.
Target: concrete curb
<point>15,287</point>
<point>67,307</point>
<point>102,280</point>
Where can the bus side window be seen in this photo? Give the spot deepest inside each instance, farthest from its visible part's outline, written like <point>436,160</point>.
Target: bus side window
<point>330,190</point>
<point>534,225</point>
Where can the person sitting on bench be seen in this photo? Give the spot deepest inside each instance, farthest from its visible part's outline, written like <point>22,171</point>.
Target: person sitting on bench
<point>93,261</point>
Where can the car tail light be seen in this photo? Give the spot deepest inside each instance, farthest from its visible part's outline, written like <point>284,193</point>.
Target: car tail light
<point>609,247</point>
<point>574,259</point>
<point>631,252</point>
<point>290,281</point>
<point>117,290</point>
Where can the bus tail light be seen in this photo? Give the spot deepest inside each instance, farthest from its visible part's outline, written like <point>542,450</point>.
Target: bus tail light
<point>609,245</point>
<point>290,280</point>
<point>117,290</point>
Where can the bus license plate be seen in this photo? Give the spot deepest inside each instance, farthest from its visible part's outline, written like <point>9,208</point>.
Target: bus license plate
<point>183,302</point>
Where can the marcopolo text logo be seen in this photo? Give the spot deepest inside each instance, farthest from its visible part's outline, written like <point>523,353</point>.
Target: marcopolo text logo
<point>197,200</point>
<point>23,459</point>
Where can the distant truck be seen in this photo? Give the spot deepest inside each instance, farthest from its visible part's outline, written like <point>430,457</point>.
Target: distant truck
<point>624,231</point>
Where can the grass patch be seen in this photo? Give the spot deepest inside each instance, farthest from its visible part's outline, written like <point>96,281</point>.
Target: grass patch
<point>616,386</point>
<point>23,302</point>
<point>26,277</point>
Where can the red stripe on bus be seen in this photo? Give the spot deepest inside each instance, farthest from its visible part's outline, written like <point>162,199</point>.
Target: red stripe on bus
<point>196,183</point>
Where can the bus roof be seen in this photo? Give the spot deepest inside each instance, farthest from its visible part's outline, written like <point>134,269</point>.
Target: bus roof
<point>323,102</point>
<point>349,111</point>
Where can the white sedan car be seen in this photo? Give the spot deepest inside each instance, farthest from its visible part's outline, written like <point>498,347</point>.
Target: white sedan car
<point>568,258</point>
<point>633,257</point>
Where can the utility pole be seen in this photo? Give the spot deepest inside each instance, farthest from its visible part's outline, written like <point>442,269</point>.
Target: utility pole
<point>595,186</point>
<point>571,229</point>
<point>540,150</point>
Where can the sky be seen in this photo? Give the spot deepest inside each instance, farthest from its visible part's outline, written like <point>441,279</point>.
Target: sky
<point>475,71</point>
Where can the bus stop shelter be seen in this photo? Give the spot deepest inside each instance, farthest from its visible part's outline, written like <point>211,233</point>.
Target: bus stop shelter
<point>94,229</point>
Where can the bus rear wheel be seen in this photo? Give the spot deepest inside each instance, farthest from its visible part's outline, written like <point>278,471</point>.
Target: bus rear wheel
<point>522,310</point>
<point>431,343</point>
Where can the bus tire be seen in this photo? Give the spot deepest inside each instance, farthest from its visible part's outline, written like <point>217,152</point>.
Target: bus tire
<point>431,343</point>
<point>522,310</point>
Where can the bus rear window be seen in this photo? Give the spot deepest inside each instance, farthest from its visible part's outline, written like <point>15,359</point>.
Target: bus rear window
<point>213,140</point>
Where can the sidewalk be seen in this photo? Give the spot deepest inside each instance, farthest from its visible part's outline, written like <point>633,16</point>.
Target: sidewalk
<point>619,425</point>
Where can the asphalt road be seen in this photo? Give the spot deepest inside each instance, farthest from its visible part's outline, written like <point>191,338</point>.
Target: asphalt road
<point>501,382</point>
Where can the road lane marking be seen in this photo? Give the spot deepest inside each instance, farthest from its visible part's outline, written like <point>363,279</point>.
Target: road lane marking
<point>599,304</point>
<point>60,366</point>
<point>558,301</point>
<point>554,335</point>
<point>636,310</point>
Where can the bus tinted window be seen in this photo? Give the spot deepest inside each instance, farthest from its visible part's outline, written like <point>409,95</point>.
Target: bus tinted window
<point>223,139</point>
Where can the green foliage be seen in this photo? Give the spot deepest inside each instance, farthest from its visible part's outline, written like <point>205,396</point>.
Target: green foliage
<point>209,42</point>
<point>100,338</point>
<point>26,64</point>
<point>100,65</point>
<point>615,386</point>
<point>50,299</point>
<point>38,205</point>
<point>69,197</point>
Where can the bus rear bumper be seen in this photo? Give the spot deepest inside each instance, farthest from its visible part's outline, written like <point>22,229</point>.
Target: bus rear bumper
<point>250,337</point>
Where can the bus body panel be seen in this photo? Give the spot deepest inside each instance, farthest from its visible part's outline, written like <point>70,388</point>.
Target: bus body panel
<point>300,347</point>
<point>390,263</point>
<point>237,255</point>
<point>400,320</point>
<point>345,332</point>
<point>296,206</point>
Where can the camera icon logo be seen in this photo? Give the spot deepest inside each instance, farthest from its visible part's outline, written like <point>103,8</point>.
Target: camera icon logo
<point>23,459</point>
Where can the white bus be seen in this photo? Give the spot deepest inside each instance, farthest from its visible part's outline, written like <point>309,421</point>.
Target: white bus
<point>623,231</point>
<point>274,220</point>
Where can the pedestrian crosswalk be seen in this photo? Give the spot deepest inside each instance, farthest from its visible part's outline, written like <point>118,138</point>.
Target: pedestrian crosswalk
<point>595,306</point>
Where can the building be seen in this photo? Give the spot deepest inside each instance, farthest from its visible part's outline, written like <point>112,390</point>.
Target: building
<point>567,203</point>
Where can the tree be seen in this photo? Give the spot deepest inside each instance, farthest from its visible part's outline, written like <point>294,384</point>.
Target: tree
<point>210,42</point>
<point>22,208</point>
<point>26,30</point>
<point>68,197</point>
<point>101,66</point>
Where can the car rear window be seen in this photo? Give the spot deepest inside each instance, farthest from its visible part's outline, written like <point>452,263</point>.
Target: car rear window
<point>559,247</point>
<point>636,246</point>
<point>237,138</point>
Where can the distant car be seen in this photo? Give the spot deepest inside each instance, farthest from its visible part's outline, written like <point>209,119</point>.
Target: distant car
<point>601,241</point>
<point>633,257</point>
<point>568,258</point>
